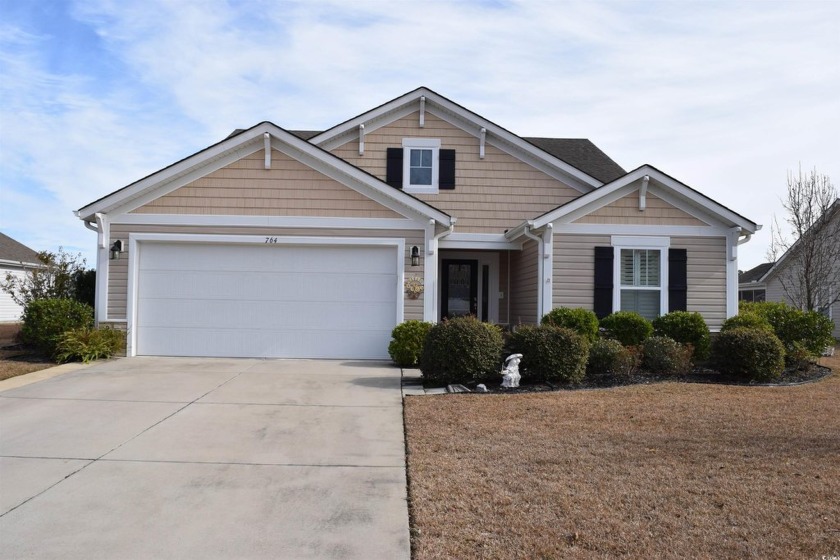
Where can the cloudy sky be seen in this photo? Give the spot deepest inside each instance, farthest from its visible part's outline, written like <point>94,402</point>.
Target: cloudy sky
<point>725,96</point>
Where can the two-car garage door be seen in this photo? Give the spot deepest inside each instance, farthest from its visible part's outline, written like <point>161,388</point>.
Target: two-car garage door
<point>265,300</point>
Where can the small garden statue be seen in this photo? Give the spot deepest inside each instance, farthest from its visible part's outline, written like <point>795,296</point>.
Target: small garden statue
<point>510,374</point>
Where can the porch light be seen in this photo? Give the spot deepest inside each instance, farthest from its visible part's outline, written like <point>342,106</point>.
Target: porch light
<point>415,256</point>
<point>116,249</point>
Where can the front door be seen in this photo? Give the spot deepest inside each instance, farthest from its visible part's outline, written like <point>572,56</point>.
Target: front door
<point>460,288</point>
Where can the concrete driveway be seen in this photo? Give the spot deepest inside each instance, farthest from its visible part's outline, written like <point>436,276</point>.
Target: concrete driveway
<point>205,458</point>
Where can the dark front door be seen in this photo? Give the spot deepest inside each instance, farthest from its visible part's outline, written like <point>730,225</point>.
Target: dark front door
<point>460,288</point>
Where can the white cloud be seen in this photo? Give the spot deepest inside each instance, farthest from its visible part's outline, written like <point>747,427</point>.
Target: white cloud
<point>725,96</point>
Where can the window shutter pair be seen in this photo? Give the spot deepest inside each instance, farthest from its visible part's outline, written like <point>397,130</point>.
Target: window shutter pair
<point>603,283</point>
<point>446,168</point>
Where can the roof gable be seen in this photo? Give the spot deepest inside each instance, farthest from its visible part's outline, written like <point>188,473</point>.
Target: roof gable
<point>669,189</point>
<point>246,142</point>
<point>424,99</point>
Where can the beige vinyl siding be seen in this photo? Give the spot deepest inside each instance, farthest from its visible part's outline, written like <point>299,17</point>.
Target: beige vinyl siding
<point>246,188</point>
<point>118,269</point>
<point>574,272</point>
<point>491,194</point>
<point>706,272</point>
<point>626,211</point>
<point>523,284</point>
<point>574,269</point>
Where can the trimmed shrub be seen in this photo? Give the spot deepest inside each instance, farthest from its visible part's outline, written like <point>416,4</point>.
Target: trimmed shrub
<point>686,327</point>
<point>87,344</point>
<point>582,321</point>
<point>407,342</point>
<point>627,327</point>
<point>746,320</point>
<point>551,353</point>
<point>664,355</point>
<point>608,356</point>
<point>461,350</point>
<point>749,354</point>
<point>45,320</point>
<point>796,329</point>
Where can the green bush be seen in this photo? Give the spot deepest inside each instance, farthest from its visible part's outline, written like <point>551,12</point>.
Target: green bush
<point>746,320</point>
<point>627,327</point>
<point>608,356</point>
<point>686,327</point>
<point>582,321</point>
<point>749,354</point>
<point>796,329</point>
<point>407,342</point>
<point>664,355</point>
<point>45,320</point>
<point>551,353</point>
<point>88,344</point>
<point>461,350</point>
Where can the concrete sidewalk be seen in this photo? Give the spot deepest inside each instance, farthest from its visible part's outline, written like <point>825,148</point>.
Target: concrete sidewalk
<point>205,458</point>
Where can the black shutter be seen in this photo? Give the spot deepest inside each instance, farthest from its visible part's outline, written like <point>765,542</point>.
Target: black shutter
<point>603,281</point>
<point>394,167</point>
<point>446,180</point>
<point>677,280</point>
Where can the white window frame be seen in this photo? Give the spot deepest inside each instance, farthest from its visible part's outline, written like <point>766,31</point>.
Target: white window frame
<point>432,144</point>
<point>660,244</point>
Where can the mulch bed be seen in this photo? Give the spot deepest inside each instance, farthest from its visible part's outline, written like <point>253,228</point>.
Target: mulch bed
<point>789,377</point>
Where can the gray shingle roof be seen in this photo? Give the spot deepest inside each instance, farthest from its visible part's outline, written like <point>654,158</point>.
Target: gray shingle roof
<point>582,154</point>
<point>11,250</point>
<point>754,274</point>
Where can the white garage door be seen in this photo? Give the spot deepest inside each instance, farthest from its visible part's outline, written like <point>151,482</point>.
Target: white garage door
<point>301,301</point>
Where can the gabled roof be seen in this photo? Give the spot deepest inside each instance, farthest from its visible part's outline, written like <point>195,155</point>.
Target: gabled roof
<point>471,122</point>
<point>581,153</point>
<point>234,146</point>
<point>833,211</point>
<point>686,194</point>
<point>754,274</point>
<point>15,252</point>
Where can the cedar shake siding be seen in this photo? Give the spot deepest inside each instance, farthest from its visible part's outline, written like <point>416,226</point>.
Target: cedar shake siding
<point>626,211</point>
<point>118,269</point>
<point>523,285</point>
<point>490,195</point>
<point>246,188</point>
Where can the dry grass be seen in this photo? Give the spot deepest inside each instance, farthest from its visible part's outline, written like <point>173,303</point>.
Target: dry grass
<point>660,471</point>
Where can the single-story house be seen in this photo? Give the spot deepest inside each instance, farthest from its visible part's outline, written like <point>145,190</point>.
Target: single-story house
<point>286,243</point>
<point>15,259</point>
<point>783,280</point>
<point>750,286</point>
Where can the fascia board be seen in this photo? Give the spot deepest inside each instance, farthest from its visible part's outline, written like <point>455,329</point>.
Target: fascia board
<point>466,120</point>
<point>172,172</point>
<point>708,208</point>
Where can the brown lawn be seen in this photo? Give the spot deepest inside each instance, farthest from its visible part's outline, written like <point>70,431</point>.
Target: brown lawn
<point>18,362</point>
<point>658,471</point>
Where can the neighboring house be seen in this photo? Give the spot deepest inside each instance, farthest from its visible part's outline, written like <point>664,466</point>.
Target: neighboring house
<point>300,244</point>
<point>15,258</point>
<point>786,269</point>
<point>750,288</point>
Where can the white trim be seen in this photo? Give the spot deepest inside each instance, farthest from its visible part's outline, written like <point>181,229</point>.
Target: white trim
<point>361,139</point>
<point>624,185</point>
<point>548,271</point>
<point>469,122</point>
<point>660,244</point>
<point>267,150</point>
<point>315,222</point>
<point>422,111</point>
<point>409,144</point>
<point>430,276</point>
<point>621,229</point>
<point>103,272</point>
<point>732,272</point>
<point>489,241</point>
<point>137,240</point>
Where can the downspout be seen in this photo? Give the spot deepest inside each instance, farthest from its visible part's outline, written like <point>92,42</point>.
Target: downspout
<point>541,251</point>
<point>430,311</point>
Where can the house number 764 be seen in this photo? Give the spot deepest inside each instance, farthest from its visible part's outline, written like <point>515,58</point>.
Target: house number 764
<point>271,240</point>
